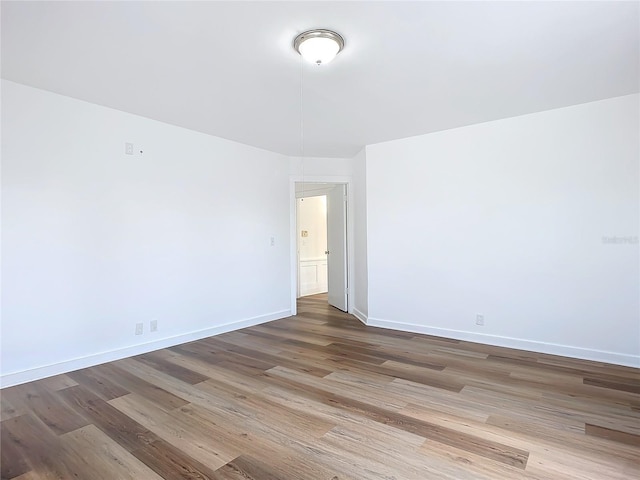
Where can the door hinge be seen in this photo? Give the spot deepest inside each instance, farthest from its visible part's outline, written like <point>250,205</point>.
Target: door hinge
<point>346,291</point>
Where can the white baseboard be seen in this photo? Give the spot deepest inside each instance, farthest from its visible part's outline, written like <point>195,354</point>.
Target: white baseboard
<point>508,342</point>
<point>16,378</point>
<point>305,291</point>
<point>359,315</point>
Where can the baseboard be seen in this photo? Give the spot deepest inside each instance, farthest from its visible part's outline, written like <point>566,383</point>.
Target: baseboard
<point>516,343</point>
<point>16,378</point>
<point>312,291</point>
<point>359,315</point>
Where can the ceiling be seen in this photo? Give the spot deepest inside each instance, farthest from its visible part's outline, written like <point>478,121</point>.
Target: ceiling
<point>408,68</point>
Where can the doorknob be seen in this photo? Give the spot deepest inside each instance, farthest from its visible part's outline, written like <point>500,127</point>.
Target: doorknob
<point>326,252</point>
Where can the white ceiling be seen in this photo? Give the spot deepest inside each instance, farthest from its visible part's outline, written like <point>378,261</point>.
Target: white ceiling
<point>408,68</point>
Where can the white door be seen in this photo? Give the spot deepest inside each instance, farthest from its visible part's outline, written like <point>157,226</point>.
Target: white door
<point>337,246</point>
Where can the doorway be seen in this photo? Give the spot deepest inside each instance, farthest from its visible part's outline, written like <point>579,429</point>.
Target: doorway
<point>311,215</point>
<point>321,241</point>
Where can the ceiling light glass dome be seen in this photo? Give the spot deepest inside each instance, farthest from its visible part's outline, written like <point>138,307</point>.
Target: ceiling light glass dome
<point>318,46</point>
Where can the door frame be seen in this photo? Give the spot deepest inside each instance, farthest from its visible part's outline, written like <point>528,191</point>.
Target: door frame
<point>293,232</point>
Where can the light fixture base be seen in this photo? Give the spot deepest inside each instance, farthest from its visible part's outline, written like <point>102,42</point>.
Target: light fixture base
<point>318,33</point>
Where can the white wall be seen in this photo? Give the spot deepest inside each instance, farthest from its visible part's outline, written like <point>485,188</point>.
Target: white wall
<point>312,268</point>
<point>361,301</point>
<point>507,219</point>
<point>95,241</point>
<point>312,218</point>
<point>314,168</point>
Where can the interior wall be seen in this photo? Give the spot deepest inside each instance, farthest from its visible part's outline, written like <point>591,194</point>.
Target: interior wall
<point>312,218</point>
<point>315,169</point>
<point>95,241</point>
<point>361,298</point>
<point>312,267</point>
<point>531,222</point>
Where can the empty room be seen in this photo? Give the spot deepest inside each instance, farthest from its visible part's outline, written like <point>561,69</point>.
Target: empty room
<point>312,240</point>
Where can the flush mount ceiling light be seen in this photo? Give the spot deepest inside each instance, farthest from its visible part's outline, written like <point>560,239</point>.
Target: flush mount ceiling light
<point>318,46</point>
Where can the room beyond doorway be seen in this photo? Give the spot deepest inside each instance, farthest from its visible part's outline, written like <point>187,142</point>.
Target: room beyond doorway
<point>311,236</point>
<point>321,241</point>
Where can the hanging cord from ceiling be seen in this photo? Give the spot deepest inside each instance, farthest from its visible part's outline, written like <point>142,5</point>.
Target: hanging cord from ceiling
<point>302,122</point>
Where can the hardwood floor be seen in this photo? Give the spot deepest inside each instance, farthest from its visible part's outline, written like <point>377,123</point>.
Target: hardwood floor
<point>320,396</point>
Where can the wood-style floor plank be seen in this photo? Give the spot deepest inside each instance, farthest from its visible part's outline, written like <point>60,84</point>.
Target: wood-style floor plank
<point>159,396</point>
<point>47,406</point>
<point>31,443</point>
<point>13,461</point>
<point>321,396</point>
<point>106,458</point>
<point>615,435</point>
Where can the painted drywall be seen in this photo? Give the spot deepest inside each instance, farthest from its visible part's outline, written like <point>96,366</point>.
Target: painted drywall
<point>95,241</point>
<point>307,189</point>
<point>360,291</point>
<point>312,245</point>
<point>311,168</point>
<point>530,221</point>
<point>312,218</point>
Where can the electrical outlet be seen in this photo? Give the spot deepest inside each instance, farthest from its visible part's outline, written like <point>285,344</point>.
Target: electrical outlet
<point>479,319</point>
<point>139,328</point>
<point>128,148</point>
<point>153,326</point>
